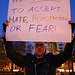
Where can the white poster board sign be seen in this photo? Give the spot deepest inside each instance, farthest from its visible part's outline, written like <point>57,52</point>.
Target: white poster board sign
<point>39,20</point>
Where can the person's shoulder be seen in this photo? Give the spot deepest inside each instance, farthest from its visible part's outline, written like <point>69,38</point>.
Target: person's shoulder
<point>29,55</point>
<point>49,56</point>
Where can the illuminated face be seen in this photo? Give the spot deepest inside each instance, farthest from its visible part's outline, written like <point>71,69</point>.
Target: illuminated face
<point>39,48</point>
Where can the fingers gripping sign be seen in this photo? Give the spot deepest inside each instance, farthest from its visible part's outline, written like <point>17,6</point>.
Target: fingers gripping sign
<point>72,25</point>
<point>6,22</point>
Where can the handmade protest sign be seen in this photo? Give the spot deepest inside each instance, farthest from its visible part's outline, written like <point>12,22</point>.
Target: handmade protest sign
<point>39,20</point>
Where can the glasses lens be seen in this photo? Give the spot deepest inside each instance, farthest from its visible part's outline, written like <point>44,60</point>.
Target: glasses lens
<point>36,45</point>
<point>42,45</point>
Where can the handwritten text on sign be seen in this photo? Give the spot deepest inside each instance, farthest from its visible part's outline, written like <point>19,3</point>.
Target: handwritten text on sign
<point>39,20</point>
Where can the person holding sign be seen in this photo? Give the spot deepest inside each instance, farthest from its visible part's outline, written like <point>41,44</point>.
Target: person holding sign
<point>39,64</point>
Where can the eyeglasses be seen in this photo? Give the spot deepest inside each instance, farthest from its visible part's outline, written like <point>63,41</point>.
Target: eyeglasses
<point>39,45</point>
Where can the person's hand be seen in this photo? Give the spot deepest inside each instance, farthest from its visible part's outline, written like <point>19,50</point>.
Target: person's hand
<point>72,25</point>
<point>5,24</point>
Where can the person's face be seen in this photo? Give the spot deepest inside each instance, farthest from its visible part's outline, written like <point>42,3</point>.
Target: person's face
<point>39,48</point>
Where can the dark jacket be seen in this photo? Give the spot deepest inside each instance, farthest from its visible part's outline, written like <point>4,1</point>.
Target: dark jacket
<point>44,66</point>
